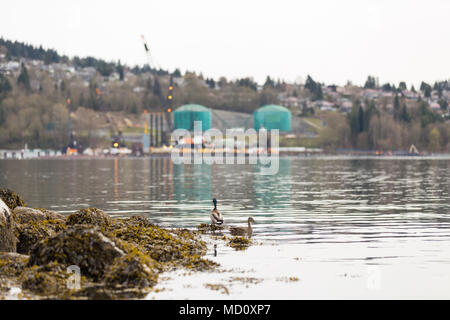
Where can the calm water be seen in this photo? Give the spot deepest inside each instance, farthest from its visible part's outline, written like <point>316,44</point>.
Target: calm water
<point>331,219</point>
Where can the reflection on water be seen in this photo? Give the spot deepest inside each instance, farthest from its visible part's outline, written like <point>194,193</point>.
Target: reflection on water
<point>390,212</point>
<point>309,200</point>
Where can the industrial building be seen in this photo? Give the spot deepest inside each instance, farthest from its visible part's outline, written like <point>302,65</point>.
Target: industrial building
<point>185,116</point>
<point>272,117</point>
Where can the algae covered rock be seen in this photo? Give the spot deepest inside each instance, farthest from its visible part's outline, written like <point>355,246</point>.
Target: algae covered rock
<point>90,216</point>
<point>118,258</point>
<point>138,221</point>
<point>206,228</point>
<point>12,263</point>
<point>8,240</point>
<point>84,247</point>
<point>133,270</point>
<point>239,243</point>
<point>52,215</point>
<point>35,225</point>
<point>197,263</point>
<point>160,244</point>
<point>29,234</point>
<point>49,280</point>
<point>26,215</point>
<point>11,199</point>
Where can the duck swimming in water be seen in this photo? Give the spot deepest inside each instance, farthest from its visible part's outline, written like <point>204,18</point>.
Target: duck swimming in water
<point>242,231</point>
<point>216,216</point>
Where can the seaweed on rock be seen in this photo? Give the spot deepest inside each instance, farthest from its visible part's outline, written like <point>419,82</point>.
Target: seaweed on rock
<point>8,239</point>
<point>118,258</point>
<point>26,215</point>
<point>29,234</point>
<point>171,247</point>
<point>49,280</point>
<point>87,248</point>
<point>239,243</point>
<point>134,270</point>
<point>90,216</point>
<point>11,199</point>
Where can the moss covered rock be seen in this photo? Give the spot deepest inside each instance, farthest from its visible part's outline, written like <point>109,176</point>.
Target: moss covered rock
<point>8,240</point>
<point>11,199</point>
<point>133,270</point>
<point>29,234</point>
<point>239,243</point>
<point>26,215</point>
<point>12,263</point>
<point>207,228</point>
<point>197,263</point>
<point>118,258</point>
<point>49,280</point>
<point>52,215</point>
<point>84,247</point>
<point>160,244</point>
<point>90,216</point>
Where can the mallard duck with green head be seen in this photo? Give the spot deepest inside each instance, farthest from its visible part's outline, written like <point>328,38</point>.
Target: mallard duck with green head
<point>216,216</point>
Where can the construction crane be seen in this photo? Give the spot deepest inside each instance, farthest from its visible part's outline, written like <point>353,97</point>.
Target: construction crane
<point>166,101</point>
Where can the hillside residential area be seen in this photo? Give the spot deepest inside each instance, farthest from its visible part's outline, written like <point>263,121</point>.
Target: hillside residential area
<point>45,96</point>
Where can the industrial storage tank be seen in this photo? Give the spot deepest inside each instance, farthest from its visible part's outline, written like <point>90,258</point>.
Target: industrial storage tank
<point>272,117</point>
<point>185,116</point>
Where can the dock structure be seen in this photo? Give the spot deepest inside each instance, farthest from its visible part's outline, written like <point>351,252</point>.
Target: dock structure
<point>28,154</point>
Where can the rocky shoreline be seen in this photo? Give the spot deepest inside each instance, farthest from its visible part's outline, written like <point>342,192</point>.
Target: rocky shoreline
<point>118,258</point>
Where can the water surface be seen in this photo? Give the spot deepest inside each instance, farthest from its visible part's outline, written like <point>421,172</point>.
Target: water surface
<point>346,227</point>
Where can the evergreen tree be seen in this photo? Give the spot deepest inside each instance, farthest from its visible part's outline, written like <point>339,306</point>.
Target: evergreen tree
<point>356,121</point>
<point>319,94</point>
<point>211,83</point>
<point>426,89</point>
<point>119,69</point>
<point>105,69</point>
<point>149,84</point>
<point>369,113</point>
<point>315,88</point>
<point>177,73</point>
<point>247,82</point>
<point>361,119</point>
<point>426,115</point>
<point>404,114</point>
<point>444,104</point>
<point>269,83</point>
<point>157,88</point>
<point>370,83</point>
<point>94,99</point>
<point>5,85</point>
<point>386,87</point>
<point>396,107</point>
<point>23,78</point>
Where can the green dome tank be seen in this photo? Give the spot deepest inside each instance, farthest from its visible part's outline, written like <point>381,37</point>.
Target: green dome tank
<point>271,117</point>
<point>185,116</point>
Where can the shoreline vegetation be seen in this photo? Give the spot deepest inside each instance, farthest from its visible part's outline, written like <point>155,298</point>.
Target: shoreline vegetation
<point>118,258</point>
<point>45,96</point>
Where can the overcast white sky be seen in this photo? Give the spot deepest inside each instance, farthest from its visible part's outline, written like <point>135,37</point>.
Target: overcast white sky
<point>334,41</point>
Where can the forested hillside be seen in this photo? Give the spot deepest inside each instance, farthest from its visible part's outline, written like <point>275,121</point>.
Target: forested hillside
<point>43,94</point>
